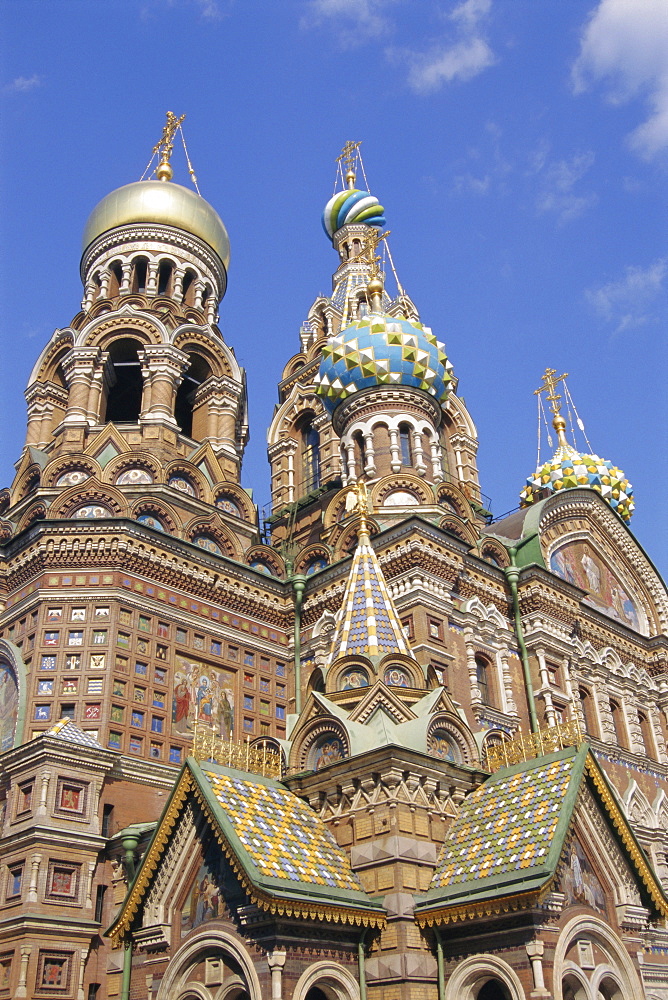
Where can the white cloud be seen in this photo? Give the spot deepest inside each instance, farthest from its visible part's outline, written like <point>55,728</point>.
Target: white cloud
<point>456,58</point>
<point>625,44</point>
<point>22,84</point>
<point>468,182</point>
<point>559,179</point>
<point>356,21</point>
<point>628,302</point>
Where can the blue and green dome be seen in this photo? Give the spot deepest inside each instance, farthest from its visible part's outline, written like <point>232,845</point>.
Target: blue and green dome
<point>569,469</point>
<point>382,350</point>
<point>351,206</point>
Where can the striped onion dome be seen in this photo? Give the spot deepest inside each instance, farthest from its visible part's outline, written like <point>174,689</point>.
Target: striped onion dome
<point>569,469</point>
<point>351,206</point>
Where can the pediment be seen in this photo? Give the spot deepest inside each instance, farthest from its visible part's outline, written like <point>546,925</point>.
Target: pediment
<point>106,445</point>
<point>380,696</point>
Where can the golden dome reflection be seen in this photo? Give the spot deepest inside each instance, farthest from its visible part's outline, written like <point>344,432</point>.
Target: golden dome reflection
<point>164,203</point>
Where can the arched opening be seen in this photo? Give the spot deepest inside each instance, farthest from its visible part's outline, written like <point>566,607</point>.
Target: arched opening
<point>165,278</point>
<point>310,455</point>
<point>115,279</point>
<point>572,989</point>
<point>587,712</point>
<point>188,288</point>
<point>191,418</point>
<point>315,993</point>
<point>382,450</point>
<point>647,734</point>
<point>139,274</point>
<point>405,445</point>
<point>609,990</point>
<point>482,673</point>
<point>124,381</point>
<point>493,989</point>
<point>316,681</point>
<point>360,453</point>
<point>618,724</point>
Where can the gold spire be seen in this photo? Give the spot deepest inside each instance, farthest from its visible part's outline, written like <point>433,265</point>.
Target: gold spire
<point>348,156</point>
<point>165,144</point>
<point>549,386</point>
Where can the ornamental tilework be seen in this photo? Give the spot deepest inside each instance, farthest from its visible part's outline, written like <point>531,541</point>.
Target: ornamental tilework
<point>568,469</point>
<point>505,825</point>
<point>382,350</point>
<point>369,624</point>
<point>283,836</point>
<point>66,730</point>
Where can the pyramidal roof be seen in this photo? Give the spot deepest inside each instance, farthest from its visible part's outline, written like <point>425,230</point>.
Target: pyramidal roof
<point>369,624</point>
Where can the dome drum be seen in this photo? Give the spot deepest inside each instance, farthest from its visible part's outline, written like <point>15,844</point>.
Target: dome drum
<point>406,400</point>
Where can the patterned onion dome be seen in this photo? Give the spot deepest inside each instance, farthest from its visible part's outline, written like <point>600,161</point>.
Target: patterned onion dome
<point>382,350</point>
<point>568,469</point>
<point>351,206</point>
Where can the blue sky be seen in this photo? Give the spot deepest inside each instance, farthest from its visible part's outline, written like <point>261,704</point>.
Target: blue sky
<point>520,148</point>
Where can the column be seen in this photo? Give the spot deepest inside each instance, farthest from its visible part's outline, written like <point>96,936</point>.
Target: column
<point>163,367</point>
<point>34,877</point>
<point>395,451</point>
<point>276,961</point>
<point>80,366</point>
<point>535,951</point>
<point>545,684</point>
<point>476,698</point>
<point>125,281</point>
<point>370,465</point>
<point>420,464</point>
<point>23,972</point>
<point>152,278</point>
<point>43,793</point>
<point>436,460</point>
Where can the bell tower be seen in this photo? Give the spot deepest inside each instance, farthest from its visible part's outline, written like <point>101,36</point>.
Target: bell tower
<point>144,355</point>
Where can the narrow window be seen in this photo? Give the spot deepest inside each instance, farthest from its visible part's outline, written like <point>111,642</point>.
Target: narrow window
<point>482,678</point>
<point>107,814</point>
<point>139,271</point>
<point>188,288</point>
<point>618,724</point>
<point>587,711</point>
<point>165,278</point>
<point>99,902</point>
<point>125,382</point>
<point>310,458</point>
<point>646,731</point>
<point>405,445</point>
<point>115,279</point>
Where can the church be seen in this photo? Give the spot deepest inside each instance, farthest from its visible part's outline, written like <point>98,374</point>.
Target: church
<point>376,746</point>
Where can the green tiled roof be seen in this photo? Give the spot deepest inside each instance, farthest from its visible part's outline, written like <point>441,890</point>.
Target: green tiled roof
<point>509,832</point>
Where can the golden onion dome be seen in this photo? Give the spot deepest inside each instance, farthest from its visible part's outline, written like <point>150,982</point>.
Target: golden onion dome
<point>160,202</point>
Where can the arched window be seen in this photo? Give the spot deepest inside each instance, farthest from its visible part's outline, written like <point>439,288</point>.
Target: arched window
<point>115,279</point>
<point>483,680</point>
<point>139,273</point>
<point>188,288</point>
<point>125,382</point>
<point>587,712</point>
<point>165,272</point>
<point>189,419</point>
<point>493,990</point>
<point>647,734</point>
<point>405,444</point>
<point>360,452</point>
<point>310,457</point>
<point>618,723</point>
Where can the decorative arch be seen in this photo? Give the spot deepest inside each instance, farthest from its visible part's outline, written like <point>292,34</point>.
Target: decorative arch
<point>128,321</point>
<point>337,673</point>
<point>203,528</point>
<point>266,557</point>
<point>313,558</point>
<point>127,462</point>
<point>458,528</point>
<point>55,470</point>
<point>92,493</point>
<point>178,471</point>
<point>158,509</point>
<point>309,750</point>
<point>223,492</point>
<point>335,981</point>
<point>385,487</point>
<point>28,482</point>
<point>47,366</point>
<point>471,975</point>
<point>175,978</point>
<point>494,552</point>
<point>619,959</point>
<point>36,512</point>
<point>445,731</point>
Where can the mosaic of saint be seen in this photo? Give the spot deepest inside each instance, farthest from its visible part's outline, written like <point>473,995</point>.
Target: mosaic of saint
<point>580,564</point>
<point>204,693</point>
<point>204,902</point>
<point>579,882</point>
<point>9,706</point>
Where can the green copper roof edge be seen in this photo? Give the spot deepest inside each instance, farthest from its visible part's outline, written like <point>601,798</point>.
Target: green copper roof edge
<point>436,899</point>
<point>276,887</point>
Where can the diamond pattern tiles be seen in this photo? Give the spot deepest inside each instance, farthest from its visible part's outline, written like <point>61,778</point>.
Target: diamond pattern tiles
<point>283,836</point>
<point>369,624</point>
<point>568,470</point>
<point>505,825</point>
<point>382,350</point>
<point>66,730</point>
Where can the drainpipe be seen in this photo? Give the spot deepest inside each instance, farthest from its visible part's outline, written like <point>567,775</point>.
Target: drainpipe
<point>441,964</point>
<point>127,966</point>
<point>360,963</point>
<point>512,575</point>
<point>298,584</point>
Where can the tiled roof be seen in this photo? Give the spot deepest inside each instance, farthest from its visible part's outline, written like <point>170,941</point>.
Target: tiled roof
<point>509,832</point>
<point>369,624</point>
<point>284,838</point>
<point>66,730</point>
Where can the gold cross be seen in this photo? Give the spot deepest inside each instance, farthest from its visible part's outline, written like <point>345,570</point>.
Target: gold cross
<point>372,240</point>
<point>348,153</point>
<point>166,141</point>
<point>549,386</point>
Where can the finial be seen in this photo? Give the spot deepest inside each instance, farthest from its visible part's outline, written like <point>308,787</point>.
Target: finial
<point>357,500</point>
<point>348,157</point>
<point>549,386</point>
<point>165,145</point>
